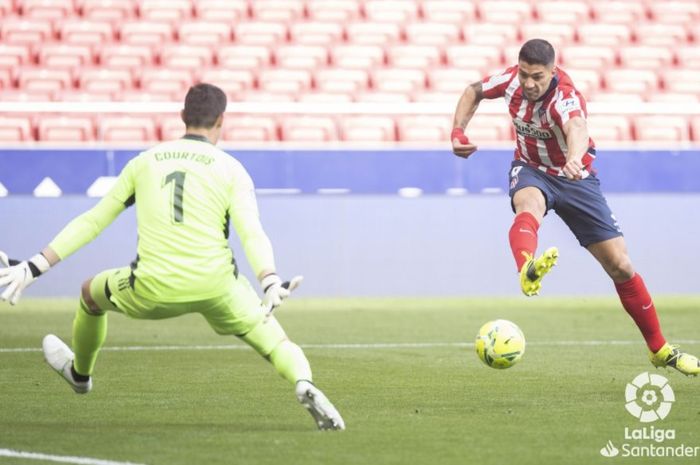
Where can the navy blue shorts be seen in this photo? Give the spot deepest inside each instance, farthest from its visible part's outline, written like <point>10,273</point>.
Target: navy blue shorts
<point>580,204</point>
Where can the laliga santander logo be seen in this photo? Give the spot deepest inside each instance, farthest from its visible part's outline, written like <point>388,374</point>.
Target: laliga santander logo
<point>649,397</point>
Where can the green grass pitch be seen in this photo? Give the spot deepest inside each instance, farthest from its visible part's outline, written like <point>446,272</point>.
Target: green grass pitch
<point>403,373</point>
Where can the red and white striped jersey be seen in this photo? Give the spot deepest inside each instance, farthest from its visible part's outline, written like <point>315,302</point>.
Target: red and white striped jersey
<point>539,125</point>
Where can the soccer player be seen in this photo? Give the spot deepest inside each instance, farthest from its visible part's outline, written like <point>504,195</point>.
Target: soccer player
<point>552,171</point>
<point>185,192</point>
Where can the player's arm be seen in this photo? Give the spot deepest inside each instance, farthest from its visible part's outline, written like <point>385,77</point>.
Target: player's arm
<point>576,133</point>
<point>466,107</point>
<point>17,275</point>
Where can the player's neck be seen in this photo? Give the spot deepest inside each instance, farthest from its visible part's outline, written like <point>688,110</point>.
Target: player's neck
<point>201,132</point>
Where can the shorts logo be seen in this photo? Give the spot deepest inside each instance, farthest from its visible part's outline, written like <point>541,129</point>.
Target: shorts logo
<point>530,130</point>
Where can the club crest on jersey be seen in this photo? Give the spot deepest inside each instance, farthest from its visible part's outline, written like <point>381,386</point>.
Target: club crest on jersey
<point>530,130</point>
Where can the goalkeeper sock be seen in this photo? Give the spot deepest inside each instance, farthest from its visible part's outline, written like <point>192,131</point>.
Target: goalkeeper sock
<point>290,362</point>
<point>523,237</point>
<point>637,301</point>
<point>89,333</point>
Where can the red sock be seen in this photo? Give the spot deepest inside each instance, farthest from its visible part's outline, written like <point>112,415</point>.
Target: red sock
<point>523,237</point>
<point>637,301</point>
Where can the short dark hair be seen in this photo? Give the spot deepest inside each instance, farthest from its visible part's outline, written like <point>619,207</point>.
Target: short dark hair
<point>204,103</point>
<point>537,52</point>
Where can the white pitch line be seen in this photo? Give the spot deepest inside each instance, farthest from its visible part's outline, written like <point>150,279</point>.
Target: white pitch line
<point>59,458</point>
<point>378,345</point>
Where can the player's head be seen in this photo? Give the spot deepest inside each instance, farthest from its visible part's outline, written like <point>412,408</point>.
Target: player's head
<point>535,68</point>
<point>204,108</point>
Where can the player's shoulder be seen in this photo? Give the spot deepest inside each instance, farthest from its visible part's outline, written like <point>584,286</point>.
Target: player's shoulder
<point>565,84</point>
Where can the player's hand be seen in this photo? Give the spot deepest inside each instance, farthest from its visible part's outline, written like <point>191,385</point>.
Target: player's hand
<point>460,143</point>
<point>573,170</point>
<point>276,291</point>
<point>16,276</point>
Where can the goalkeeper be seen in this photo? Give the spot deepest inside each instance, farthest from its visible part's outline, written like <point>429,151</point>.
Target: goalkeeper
<point>186,192</point>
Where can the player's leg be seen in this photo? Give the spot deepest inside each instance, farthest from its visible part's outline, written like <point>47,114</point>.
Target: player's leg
<point>636,300</point>
<point>530,204</point>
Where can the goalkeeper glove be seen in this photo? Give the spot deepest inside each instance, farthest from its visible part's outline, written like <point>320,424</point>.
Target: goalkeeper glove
<point>16,276</point>
<point>276,291</point>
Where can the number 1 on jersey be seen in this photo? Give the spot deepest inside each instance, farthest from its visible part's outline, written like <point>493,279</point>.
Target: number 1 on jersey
<point>178,178</point>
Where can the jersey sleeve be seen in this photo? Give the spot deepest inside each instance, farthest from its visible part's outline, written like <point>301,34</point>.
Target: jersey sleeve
<point>86,227</point>
<point>569,104</point>
<point>495,86</point>
<point>246,221</point>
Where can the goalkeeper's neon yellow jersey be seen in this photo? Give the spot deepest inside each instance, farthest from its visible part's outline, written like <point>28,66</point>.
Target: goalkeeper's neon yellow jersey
<point>185,192</point>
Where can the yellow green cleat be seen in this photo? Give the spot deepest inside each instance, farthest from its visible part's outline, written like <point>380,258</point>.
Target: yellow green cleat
<point>534,270</point>
<point>671,356</point>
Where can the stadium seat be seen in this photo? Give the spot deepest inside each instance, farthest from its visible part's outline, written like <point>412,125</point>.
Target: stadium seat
<point>315,33</point>
<point>171,11</point>
<point>453,80</point>
<point>448,11</point>
<point>267,96</point>
<point>15,128</point>
<point>645,57</point>
<point>162,80</point>
<point>191,57</point>
<point>624,12</point>
<point>260,33</point>
<point>308,129</point>
<point>6,7</point>
<point>382,97</point>
<point>367,128</point>
<point>606,129</point>
<point>558,34</point>
<point>338,11</point>
<point>325,97</point>
<point>65,129</point>
<point>397,80</point>
<point>58,55</point>
<point>149,96</point>
<point>286,81</point>
<point>674,97</point>
<point>489,34</point>
<point>562,12</point>
<point>42,79</point>
<point>171,127</point>
<point>6,78</point>
<point>615,97</point>
<point>694,128</point>
<point>15,95</point>
<point>604,34</point>
<point>230,80</point>
<point>17,31</point>
<point>281,11</point>
<point>150,33</point>
<point>224,11</point>
<point>413,56</point>
<point>125,129</point>
<point>681,80</point>
<point>688,56</point>
<point>432,33</point>
<point>341,80</point>
<point>131,57</point>
<point>373,32</point>
<point>48,10</point>
<point>429,129</point>
<point>84,32</point>
<point>436,97</point>
<point>661,129</point>
<point>247,128</point>
<point>487,129</point>
<point>82,96</point>
<point>300,56</point>
<point>640,81</point>
<point>105,80</point>
<point>393,11</point>
<point>114,11</point>
<point>587,56</point>
<point>681,12</point>
<point>357,56</point>
<point>505,11</point>
<point>479,57</point>
<point>661,34</point>
<point>12,56</point>
<point>204,33</point>
<point>239,56</point>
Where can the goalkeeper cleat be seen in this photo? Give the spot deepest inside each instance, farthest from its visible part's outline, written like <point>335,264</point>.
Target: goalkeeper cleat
<point>324,413</point>
<point>671,356</point>
<point>534,270</point>
<point>59,357</point>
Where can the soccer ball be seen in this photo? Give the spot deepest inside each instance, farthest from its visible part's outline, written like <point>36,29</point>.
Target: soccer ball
<point>500,344</point>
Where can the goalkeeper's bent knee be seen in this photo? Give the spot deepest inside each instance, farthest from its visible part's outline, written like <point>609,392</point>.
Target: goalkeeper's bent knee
<point>265,336</point>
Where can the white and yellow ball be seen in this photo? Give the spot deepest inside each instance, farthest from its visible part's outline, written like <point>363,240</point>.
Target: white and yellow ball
<point>500,344</point>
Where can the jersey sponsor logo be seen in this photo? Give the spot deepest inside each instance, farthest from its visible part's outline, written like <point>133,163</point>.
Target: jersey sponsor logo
<point>530,130</point>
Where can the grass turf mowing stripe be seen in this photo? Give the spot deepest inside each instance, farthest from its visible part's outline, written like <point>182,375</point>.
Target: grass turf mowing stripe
<point>59,458</point>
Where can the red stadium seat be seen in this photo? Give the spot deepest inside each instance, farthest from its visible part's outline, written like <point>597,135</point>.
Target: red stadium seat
<point>105,80</point>
<point>694,128</point>
<point>453,80</point>
<point>682,80</point>
<point>367,129</point>
<point>357,56</point>
<point>149,33</point>
<point>449,11</point>
<point>615,97</point>
<point>282,11</point>
<point>134,129</point>
<point>489,34</point>
<point>645,57</point>
<point>325,97</point>
<point>267,96</point>
<point>116,56</point>
<point>14,95</point>
<point>308,129</point>
<point>191,57</point>
<point>15,128</point>
<point>382,97</point>
<point>43,80</point>
<point>341,80</point>
<point>373,32</point>
<point>6,77</point>
<point>149,96</point>
<point>12,56</point>
<point>172,11</point>
<point>57,55</point>
<point>204,33</point>
<point>432,33</point>
<point>301,56</point>
<point>260,33</point>
<point>337,11</point>
<point>479,57</point>
<point>230,80</point>
<point>413,56</point>
<point>6,7</point>
<point>48,10</point>
<point>688,56</point>
<point>661,129</point>
<point>488,129</point>
<point>557,34</point>
<point>65,129</point>
<point>240,56</point>
<point>398,80</point>
<point>315,32</point>
<point>85,32</point>
<point>162,80</point>
<point>285,81</point>
<point>605,129</point>
<point>171,127</point>
<point>18,31</point>
<point>424,129</point>
<point>604,34</point>
<point>562,12</point>
<point>661,35</point>
<point>246,128</point>
<point>439,97</point>
<point>114,11</point>
<point>394,11</point>
<point>627,12</point>
<point>225,11</point>
<point>587,56</point>
<point>82,96</point>
<point>505,11</point>
<point>674,97</point>
<point>640,81</point>
<point>683,12</point>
